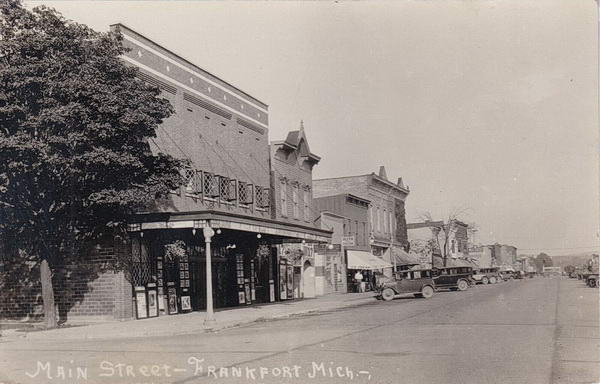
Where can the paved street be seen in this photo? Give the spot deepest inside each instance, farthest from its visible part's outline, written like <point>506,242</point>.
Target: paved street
<point>544,330</point>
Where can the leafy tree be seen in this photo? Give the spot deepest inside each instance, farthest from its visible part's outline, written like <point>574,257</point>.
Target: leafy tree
<point>443,232</point>
<point>75,160</point>
<point>542,260</point>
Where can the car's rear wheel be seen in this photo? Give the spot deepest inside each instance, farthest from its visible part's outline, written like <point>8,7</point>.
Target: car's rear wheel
<point>388,294</point>
<point>462,285</point>
<point>493,280</point>
<point>427,291</point>
<point>485,280</point>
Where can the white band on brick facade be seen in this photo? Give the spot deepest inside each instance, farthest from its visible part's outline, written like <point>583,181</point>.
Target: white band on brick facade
<point>174,62</point>
<point>210,100</point>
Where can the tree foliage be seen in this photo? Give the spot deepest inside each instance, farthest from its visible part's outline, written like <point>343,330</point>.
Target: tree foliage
<point>75,122</point>
<point>542,260</point>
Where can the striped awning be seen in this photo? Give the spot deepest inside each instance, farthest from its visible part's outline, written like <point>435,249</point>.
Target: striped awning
<point>365,260</point>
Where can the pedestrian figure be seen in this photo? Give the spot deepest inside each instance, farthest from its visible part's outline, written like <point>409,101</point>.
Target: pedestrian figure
<point>358,277</point>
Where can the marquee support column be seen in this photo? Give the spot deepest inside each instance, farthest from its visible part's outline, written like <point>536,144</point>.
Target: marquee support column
<point>210,315</point>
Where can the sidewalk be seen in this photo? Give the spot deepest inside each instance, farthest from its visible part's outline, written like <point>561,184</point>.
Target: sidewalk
<point>194,322</point>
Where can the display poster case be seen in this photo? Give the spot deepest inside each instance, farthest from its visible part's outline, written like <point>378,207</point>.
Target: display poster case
<point>282,280</point>
<point>239,268</point>
<point>152,297</point>
<point>172,298</point>
<point>160,287</point>
<point>141,307</point>
<point>186,303</point>
<point>252,281</point>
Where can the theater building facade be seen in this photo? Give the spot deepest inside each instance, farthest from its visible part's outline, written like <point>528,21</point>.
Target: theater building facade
<point>226,211</point>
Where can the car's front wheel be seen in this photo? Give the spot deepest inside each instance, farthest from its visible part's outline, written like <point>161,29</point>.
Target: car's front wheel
<point>462,285</point>
<point>493,280</point>
<point>388,294</point>
<point>485,280</point>
<point>427,291</point>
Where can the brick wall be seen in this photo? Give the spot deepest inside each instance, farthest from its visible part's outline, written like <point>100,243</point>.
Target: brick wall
<point>91,287</point>
<point>216,126</point>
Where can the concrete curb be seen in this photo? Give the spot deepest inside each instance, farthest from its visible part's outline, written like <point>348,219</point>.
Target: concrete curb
<point>88,332</point>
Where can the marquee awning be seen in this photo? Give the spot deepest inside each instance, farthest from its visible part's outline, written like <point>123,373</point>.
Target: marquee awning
<point>365,260</point>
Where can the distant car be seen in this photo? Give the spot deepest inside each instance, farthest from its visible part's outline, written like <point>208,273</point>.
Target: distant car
<point>592,280</point>
<point>418,282</point>
<point>508,275</point>
<point>453,278</point>
<point>519,274</point>
<point>486,276</point>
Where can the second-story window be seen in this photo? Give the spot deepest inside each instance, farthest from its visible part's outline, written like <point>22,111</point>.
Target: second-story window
<point>384,219</point>
<point>307,205</point>
<point>283,194</point>
<point>295,201</point>
<point>377,221</point>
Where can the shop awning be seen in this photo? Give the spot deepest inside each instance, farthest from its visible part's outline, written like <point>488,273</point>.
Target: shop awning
<point>365,260</point>
<point>404,258</point>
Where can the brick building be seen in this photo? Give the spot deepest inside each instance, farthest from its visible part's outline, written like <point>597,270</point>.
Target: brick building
<point>330,266</point>
<point>432,233</point>
<point>221,224</point>
<point>292,163</point>
<point>354,211</point>
<point>387,217</point>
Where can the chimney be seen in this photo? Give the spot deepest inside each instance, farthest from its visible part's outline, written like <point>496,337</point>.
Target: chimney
<point>400,182</point>
<point>382,173</point>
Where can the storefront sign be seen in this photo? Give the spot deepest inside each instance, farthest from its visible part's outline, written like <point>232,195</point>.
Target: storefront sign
<point>348,241</point>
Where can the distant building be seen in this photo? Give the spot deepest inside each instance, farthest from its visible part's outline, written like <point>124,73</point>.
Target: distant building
<point>496,255</point>
<point>330,265</point>
<point>386,216</point>
<point>292,164</point>
<point>481,255</point>
<point>430,234</point>
<point>355,212</point>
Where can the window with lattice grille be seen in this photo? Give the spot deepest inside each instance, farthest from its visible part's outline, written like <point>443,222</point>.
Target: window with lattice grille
<point>245,193</point>
<point>197,190</point>
<point>210,185</point>
<point>188,179</point>
<point>262,197</point>
<point>227,188</point>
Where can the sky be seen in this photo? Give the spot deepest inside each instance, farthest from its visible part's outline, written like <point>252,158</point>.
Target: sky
<point>489,107</point>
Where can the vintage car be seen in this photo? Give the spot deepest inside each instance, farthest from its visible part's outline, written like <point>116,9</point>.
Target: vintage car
<point>418,282</point>
<point>592,280</point>
<point>508,274</point>
<point>452,278</point>
<point>486,275</point>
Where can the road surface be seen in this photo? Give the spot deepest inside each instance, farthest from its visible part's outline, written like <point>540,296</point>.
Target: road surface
<point>543,330</point>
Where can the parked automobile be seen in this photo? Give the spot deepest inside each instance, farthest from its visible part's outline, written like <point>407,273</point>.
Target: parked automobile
<point>592,280</point>
<point>519,274</point>
<point>508,275</point>
<point>452,278</point>
<point>486,276</point>
<point>418,282</point>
